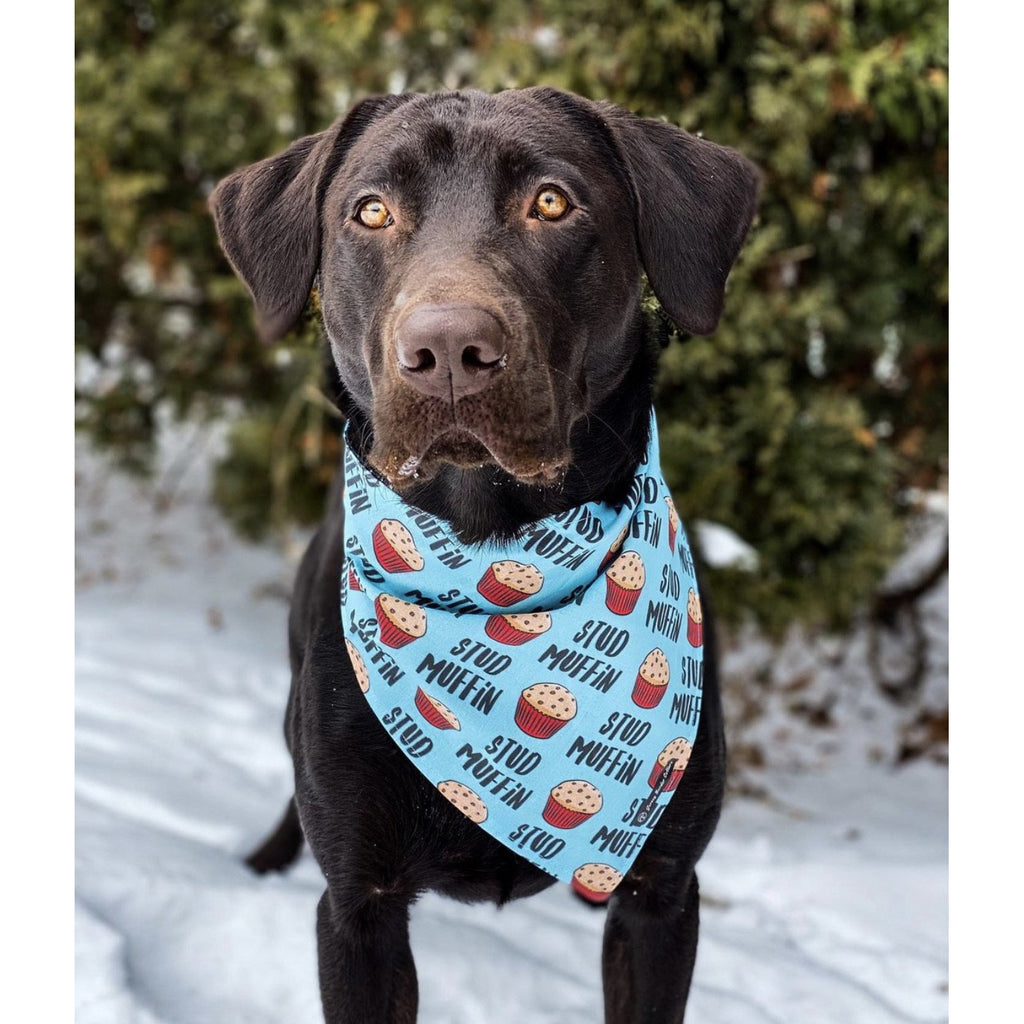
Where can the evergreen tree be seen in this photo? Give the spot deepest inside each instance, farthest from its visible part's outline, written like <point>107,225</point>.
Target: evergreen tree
<point>804,424</point>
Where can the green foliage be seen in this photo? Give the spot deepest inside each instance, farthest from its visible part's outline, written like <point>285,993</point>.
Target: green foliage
<point>819,401</point>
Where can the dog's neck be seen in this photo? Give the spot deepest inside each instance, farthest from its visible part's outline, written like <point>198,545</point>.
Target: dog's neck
<point>607,446</point>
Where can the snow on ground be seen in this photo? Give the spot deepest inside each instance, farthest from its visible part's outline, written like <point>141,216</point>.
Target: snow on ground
<point>824,901</point>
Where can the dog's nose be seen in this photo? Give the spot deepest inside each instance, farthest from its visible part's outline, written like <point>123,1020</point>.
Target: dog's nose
<point>450,350</point>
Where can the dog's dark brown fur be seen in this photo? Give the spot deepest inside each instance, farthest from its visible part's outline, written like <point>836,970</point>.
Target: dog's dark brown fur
<point>539,403</point>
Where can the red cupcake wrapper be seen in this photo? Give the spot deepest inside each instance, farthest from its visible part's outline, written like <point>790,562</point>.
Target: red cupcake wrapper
<point>353,580</point>
<point>673,778</point>
<point>620,600</point>
<point>390,634</point>
<point>694,632</point>
<point>429,712</point>
<point>590,894</point>
<point>389,558</point>
<point>535,723</point>
<point>496,592</point>
<point>498,629</point>
<point>562,817</point>
<point>647,695</point>
<point>671,536</point>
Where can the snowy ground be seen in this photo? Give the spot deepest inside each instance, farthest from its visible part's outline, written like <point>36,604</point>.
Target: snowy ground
<point>825,901</point>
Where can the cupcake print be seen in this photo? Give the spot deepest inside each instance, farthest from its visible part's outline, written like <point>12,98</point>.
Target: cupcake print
<point>694,619</point>
<point>508,582</point>
<point>439,716</point>
<point>673,523</point>
<point>358,666</point>
<point>651,680</point>
<point>394,547</point>
<point>595,882</point>
<point>571,803</point>
<point>544,708</point>
<point>625,579</point>
<point>678,751</point>
<point>400,622</point>
<point>517,629</point>
<point>353,579</point>
<point>464,799</point>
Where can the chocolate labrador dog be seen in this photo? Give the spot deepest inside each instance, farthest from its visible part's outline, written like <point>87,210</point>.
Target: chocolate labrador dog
<point>479,261</point>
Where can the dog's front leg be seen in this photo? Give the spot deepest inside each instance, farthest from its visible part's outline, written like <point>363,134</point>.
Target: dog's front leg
<point>650,944</point>
<point>367,974</point>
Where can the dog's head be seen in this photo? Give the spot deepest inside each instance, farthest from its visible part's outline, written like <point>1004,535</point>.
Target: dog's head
<point>480,259</point>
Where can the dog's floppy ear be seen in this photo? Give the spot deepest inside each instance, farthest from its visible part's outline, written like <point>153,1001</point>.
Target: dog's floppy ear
<point>268,216</point>
<point>695,201</point>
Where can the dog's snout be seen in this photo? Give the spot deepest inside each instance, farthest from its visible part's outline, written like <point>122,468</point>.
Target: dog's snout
<point>450,350</point>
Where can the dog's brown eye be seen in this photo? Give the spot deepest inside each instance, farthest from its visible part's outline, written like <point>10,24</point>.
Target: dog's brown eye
<point>550,204</point>
<point>373,214</point>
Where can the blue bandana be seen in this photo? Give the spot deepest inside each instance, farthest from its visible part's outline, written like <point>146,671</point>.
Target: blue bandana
<point>549,687</point>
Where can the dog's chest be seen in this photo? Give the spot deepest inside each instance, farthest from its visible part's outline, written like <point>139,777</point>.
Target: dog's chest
<point>549,690</point>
